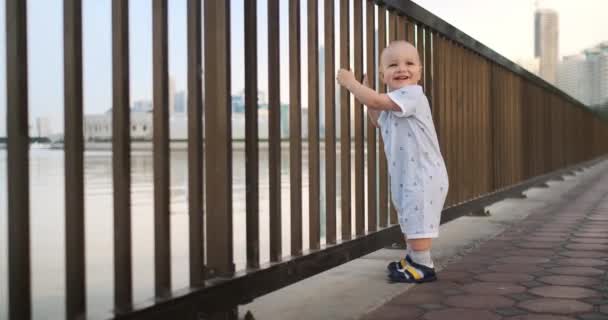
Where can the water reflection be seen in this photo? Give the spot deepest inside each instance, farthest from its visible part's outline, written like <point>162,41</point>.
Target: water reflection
<point>48,225</point>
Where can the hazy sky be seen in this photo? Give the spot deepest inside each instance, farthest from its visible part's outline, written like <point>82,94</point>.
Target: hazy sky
<point>505,26</point>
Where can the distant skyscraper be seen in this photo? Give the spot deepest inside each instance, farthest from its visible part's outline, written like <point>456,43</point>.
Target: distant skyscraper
<point>585,75</point>
<point>546,35</point>
<point>574,77</point>
<point>180,102</point>
<point>171,96</point>
<point>43,127</point>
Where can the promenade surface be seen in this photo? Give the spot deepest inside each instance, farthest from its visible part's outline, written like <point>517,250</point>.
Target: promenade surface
<point>552,265</point>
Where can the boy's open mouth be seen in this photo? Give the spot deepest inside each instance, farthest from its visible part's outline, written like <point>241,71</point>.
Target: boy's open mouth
<point>401,78</point>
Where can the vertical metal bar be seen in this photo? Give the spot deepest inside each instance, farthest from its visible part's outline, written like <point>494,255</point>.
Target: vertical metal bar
<point>370,23</point>
<point>160,73</point>
<point>393,34</point>
<point>295,127</point>
<point>313,125</point>
<point>400,32</point>
<point>195,145</point>
<point>274,130</point>
<point>359,121</point>
<point>345,122</point>
<point>121,158</point>
<point>429,66</point>
<point>218,151</point>
<point>74,170</point>
<point>19,275</point>
<point>330,125</point>
<point>421,53</point>
<point>410,33</point>
<point>383,179</point>
<point>251,139</point>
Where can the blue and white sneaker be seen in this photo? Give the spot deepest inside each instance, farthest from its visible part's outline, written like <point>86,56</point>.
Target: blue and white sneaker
<point>396,265</point>
<point>408,271</point>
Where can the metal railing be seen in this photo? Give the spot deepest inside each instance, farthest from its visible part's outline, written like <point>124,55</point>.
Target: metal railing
<point>500,129</point>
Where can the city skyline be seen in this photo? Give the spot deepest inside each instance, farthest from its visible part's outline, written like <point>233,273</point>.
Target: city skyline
<point>490,22</point>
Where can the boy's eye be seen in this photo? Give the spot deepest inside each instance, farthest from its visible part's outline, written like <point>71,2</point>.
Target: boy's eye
<point>392,65</point>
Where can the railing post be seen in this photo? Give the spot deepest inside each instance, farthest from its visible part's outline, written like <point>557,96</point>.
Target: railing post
<point>218,154</point>
<point>121,158</point>
<point>74,169</point>
<point>162,182</point>
<point>18,181</point>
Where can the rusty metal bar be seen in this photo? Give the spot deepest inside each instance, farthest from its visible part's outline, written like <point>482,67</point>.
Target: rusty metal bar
<point>121,158</point>
<point>383,198</point>
<point>372,221</point>
<point>330,125</point>
<point>295,127</point>
<point>274,130</point>
<point>18,181</point>
<point>195,145</point>
<point>345,123</point>
<point>218,151</point>
<point>162,237</point>
<point>74,162</point>
<point>313,126</point>
<point>359,121</point>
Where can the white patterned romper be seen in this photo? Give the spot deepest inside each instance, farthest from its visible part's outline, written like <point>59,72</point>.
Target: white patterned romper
<point>418,176</point>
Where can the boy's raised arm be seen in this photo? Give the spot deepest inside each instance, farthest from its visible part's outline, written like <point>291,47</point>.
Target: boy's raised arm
<point>365,95</point>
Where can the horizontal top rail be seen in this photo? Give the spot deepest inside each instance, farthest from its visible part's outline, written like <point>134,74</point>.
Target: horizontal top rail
<point>421,15</point>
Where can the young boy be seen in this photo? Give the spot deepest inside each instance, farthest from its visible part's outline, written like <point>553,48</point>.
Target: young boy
<point>419,179</point>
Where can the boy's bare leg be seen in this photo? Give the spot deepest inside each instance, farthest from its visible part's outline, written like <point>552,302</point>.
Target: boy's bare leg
<point>420,244</point>
<point>420,251</point>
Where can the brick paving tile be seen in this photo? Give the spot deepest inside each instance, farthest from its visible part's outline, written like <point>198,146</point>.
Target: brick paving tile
<point>493,288</point>
<point>591,240</point>
<point>577,271</point>
<point>569,280</point>
<point>515,268</point>
<point>581,262</point>
<point>532,284</point>
<point>461,314</point>
<point>455,275</point>
<point>539,317</point>
<point>537,245</point>
<point>559,306</point>
<point>478,301</point>
<point>588,246</point>
<point>591,235</point>
<point>581,254</point>
<point>504,277</point>
<point>522,260</point>
<point>544,253</point>
<point>564,292</point>
<point>544,239</point>
<point>593,316</point>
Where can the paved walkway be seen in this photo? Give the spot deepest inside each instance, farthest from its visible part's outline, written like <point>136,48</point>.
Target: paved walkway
<point>551,265</point>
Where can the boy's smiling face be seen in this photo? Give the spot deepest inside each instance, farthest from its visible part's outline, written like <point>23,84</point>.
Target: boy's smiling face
<point>400,65</point>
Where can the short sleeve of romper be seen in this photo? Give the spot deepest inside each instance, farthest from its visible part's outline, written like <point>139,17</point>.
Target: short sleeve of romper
<point>419,180</point>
